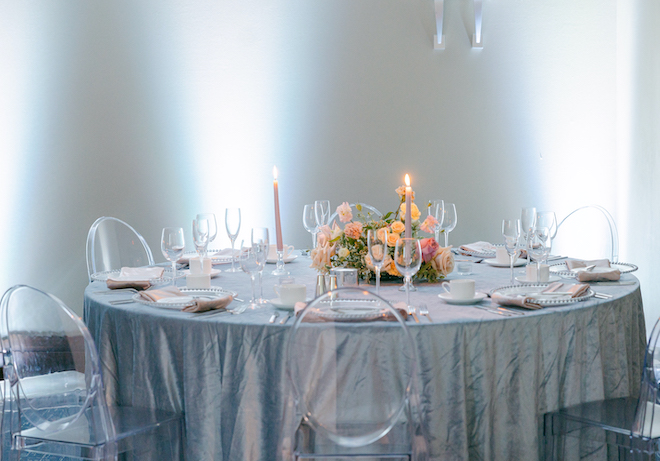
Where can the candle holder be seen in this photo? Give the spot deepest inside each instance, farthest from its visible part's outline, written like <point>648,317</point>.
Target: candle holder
<point>279,269</point>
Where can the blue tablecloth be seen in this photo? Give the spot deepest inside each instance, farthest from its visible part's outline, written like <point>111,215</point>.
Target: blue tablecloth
<point>485,380</point>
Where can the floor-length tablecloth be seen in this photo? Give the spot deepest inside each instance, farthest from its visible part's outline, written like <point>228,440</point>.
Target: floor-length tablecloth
<point>485,380</point>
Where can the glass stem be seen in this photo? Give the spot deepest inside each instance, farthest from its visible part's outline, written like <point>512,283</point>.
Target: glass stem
<point>233,256</point>
<point>261,287</point>
<point>252,279</point>
<point>446,239</point>
<point>173,273</point>
<point>314,239</point>
<point>377,279</point>
<point>511,256</point>
<point>408,294</point>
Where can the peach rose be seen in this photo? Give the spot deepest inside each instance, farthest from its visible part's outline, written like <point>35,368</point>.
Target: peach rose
<point>382,234</point>
<point>401,190</point>
<point>415,214</point>
<point>353,230</point>
<point>398,227</point>
<point>321,254</point>
<point>443,261</point>
<point>343,252</point>
<point>390,268</point>
<point>392,238</point>
<point>344,212</point>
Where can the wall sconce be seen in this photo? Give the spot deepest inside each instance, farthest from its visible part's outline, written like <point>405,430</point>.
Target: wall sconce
<point>439,38</point>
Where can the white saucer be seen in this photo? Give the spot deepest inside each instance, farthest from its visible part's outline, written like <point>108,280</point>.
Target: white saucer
<point>277,302</point>
<point>288,259</point>
<point>493,262</point>
<point>551,278</point>
<point>448,298</point>
<point>214,272</point>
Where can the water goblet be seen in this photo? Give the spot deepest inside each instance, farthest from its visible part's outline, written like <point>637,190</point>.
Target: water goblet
<point>527,223</point>
<point>259,237</point>
<point>309,222</point>
<point>322,212</point>
<point>249,264</point>
<point>213,224</point>
<point>233,226</point>
<point>172,245</point>
<point>200,231</point>
<point>377,246</point>
<point>547,219</point>
<point>449,220</point>
<point>511,234</point>
<point>408,260</point>
<point>436,208</point>
<point>539,245</point>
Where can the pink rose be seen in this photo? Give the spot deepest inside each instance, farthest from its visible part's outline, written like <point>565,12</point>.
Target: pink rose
<point>353,230</point>
<point>429,248</point>
<point>429,224</point>
<point>344,212</point>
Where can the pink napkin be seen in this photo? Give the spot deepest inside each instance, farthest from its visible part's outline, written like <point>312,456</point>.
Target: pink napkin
<point>576,290</point>
<point>578,263</point>
<point>602,272</point>
<point>519,301</point>
<point>134,277</point>
<point>199,305</point>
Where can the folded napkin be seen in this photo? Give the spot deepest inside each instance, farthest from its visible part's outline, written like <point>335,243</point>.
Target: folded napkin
<point>199,305</point>
<point>134,277</point>
<point>527,302</point>
<point>576,290</point>
<point>532,301</point>
<point>312,318</point>
<point>226,253</point>
<point>602,272</point>
<point>479,247</point>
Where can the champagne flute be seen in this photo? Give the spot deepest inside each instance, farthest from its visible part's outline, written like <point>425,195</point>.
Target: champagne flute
<point>377,245</point>
<point>172,245</point>
<point>449,220</point>
<point>200,231</point>
<point>250,265</point>
<point>511,234</point>
<point>527,222</point>
<point>322,212</point>
<point>408,260</point>
<point>259,237</point>
<point>436,209</point>
<point>309,222</point>
<point>233,226</point>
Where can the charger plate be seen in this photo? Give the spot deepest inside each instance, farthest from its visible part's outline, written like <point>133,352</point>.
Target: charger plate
<point>561,269</point>
<point>179,302</point>
<point>105,275</point>
<point>544,300</point>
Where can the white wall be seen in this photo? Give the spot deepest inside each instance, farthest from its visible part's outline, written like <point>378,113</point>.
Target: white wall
<point>154,111</point>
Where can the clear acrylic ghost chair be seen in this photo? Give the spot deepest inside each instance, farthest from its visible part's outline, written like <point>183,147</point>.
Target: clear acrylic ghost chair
<point>53,391</point>
<point>586,234</point>
<point>360,211</point>
<point>620,429</point>
<point>113,244</point>
<point>352,365</point>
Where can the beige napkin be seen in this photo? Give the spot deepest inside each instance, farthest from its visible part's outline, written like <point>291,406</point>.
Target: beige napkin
<point>199,305</point>
<point>576,290</point>
<point>311,318</point>
<point>134,277</point>
<point>519,301</point>
<point>602,272</point>
<point>479,247</point>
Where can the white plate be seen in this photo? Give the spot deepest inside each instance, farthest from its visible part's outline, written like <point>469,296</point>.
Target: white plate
<point>448,298</point>
<point>288,259</point>
<point>351,313</point>
<point>493,262</point>
<point>561,269</point>
<point>179,302</point>
<point>103,276</point>
<point>214,272</point>
<point>277,302</point>
<point>534,291</point>
<point>551,278</point>
<point>214,259</point>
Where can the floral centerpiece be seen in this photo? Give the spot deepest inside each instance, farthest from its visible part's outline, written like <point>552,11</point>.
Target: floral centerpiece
<point>347,247</point>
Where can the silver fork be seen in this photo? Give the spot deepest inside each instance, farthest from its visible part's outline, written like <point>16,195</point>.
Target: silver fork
<point>423,310</point>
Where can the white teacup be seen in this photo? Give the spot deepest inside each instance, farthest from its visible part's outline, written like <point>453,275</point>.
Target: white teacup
<point>272,251</point>
<point>501,256</point>
<point>291,293</point>
<point>535,275</point>
<point>460,288</point>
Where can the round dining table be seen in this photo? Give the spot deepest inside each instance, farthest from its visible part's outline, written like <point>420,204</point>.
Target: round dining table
<point>485,377</point>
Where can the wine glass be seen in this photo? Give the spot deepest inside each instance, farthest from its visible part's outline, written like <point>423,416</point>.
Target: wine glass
<point>322,212</point>
<point>449,220</point>
<point>249,264</point>
<point>377,246</point>
<point>309,222</point>
<point>233,226</point>
<point>200,231</point>
<point>259,237</point>
<point>213,225</point>
<point>408,260</point>
<point>547,219</point>
<point>436,209</point>
<point>539,245</point>
<point>527,222</point>
<point>172,245</point>
<point>511,234</point>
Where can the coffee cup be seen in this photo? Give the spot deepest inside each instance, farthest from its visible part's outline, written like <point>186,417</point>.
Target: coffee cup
<point>460,288</point>
<point>291,293</point>
<point>501,256</point>
<point>272,251</point>
<point>534,274</point>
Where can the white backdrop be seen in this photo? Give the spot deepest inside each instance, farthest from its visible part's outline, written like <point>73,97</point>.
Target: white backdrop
<point>155,111</point>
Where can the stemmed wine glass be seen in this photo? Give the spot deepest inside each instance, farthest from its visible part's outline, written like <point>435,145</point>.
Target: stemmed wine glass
<point>539,245</point>
<point>213,224</point>
<point>547,219</point>
<point>511,234</point>
<point>527,222</point>
<point>259,237</point>
<point>201,232</point>
<point>377,245</point>
<point>436,209</point>
<point>322,212</point>
<point>309,222</point>
<point>449,220</point>
<point>408,260</point>
<point>233,225</point>
<point>172,245</point>
<point>250,265</point>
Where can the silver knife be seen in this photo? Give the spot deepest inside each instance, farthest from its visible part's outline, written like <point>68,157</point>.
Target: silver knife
<point>285,319</point>
<point>273,317</point>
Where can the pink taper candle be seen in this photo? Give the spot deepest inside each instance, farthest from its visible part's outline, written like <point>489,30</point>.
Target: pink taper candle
<point>408,208</point>
<point>278,226</point>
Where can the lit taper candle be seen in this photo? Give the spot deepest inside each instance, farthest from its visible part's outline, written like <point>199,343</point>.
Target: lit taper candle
<point>408,208</point>
<point>278,226</point>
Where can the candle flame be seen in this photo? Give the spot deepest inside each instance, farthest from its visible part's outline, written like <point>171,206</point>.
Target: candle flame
<point>274,172</point>
<point>407,180</point>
